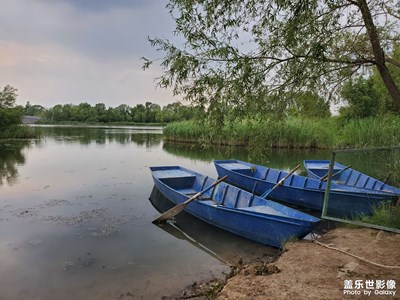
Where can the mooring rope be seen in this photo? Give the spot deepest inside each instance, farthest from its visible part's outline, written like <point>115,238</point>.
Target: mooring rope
<point>353,255</point>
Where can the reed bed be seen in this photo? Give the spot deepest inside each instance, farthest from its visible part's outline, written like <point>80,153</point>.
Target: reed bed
<point>19,132</point>
<point>325,133</point>
<point>371,132</point>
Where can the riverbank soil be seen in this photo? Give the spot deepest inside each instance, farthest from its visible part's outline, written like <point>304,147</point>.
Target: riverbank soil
<point>307,270</point>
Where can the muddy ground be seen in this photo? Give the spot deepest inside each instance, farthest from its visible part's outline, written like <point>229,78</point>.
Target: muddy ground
<point>307,270</point>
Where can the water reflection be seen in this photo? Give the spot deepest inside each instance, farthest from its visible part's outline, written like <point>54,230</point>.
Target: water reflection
<point>285,159</point>
<point>194,151</point>
<point>11,156</point>
<point>75,219</point>
<point>77,223</point>
<point>223,245</point>
<point>143,136</point>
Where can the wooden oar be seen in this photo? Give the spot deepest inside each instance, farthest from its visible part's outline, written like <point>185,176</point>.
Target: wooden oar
<point>323,178</point>
<point>169,214</point>
<point>267,192</point>
<point>387,178</point>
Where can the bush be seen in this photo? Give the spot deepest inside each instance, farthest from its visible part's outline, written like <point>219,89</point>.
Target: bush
<point>10,116</point>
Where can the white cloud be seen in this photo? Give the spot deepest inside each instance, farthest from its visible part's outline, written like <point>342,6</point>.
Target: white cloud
<point>63,52</point>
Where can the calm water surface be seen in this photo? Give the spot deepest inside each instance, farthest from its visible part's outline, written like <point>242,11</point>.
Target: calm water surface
<point>75,219</point>
<point>75,216</point>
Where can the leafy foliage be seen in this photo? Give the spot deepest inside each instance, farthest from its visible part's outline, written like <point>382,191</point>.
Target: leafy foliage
<point>99,113</point>
<point>382,93</point>
<point>308,105</point>
<point>246,55</point>
<point>9,113</point>
<point>33,110</point>
<point>8,96</point>
<point>361,97</point>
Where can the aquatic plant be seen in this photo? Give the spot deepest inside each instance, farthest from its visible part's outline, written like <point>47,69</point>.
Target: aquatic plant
<point>19,131</point>
<point>323,133</point>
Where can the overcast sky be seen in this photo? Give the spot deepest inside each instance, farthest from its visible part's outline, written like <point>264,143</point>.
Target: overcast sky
<point>72,51</point>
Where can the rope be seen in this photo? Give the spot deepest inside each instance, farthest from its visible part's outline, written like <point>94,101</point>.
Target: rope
<point>355,256</point>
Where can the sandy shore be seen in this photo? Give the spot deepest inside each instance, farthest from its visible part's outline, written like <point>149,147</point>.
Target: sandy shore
<point>307,270</point>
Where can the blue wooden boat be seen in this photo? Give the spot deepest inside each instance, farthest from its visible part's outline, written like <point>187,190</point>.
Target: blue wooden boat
<point>318,169</point>
<point>344,201</point>
<point>233,209</point>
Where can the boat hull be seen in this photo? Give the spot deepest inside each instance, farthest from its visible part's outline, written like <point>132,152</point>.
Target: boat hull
<point>301,191</point>
<point>250,222</point>
<point>347,176</point>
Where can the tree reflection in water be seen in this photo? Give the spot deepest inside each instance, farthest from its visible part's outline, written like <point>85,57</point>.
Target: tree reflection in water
<point>11,156</point>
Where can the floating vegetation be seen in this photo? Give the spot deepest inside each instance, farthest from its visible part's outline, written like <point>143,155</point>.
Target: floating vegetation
<point>83,216</point>
<point>67,265</point>
<point>35,242</point>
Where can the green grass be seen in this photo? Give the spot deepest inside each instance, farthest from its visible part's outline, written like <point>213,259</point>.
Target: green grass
<point>385,215</point>
<point>371,132</point>
<point>185,131</point>
<point>19,132</point>
<point>294,133</point>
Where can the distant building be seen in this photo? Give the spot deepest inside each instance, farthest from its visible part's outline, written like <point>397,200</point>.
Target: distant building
<point>30,119</point>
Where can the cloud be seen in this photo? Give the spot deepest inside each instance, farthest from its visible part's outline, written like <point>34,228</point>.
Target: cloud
<point>57,51</point>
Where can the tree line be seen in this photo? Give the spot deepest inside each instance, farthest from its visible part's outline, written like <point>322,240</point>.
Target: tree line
<point>99,113</point>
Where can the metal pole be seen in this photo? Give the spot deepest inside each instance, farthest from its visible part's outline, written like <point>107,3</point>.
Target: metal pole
<point>328,186</point>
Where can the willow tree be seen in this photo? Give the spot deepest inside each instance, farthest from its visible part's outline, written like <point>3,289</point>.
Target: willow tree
<point>246,54</point>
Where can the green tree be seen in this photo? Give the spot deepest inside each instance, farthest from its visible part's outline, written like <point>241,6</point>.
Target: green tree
<point>152,110</point>
<point>124,113</point>
<point>33,110</point>
<point>100,111</point>
<point>83,112</point>
<point>360,96</point>
<point>8,96</point>
<point>138,113</point>
<point>308,104</point>
<point>238,53</point>
<point>10,114</point>
<point>382,93</point>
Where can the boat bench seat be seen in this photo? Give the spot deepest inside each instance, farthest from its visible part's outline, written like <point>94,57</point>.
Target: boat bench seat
<point>192,192</point>
<point>239,168</point>
<point>176,179</point>
<point>187,192</point>
<point>173,173</point>
<point>235,166</point>
<point>263,209</point>
<point>209,202</point>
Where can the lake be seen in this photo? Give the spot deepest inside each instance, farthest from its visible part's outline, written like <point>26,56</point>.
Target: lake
<point>76,208</point>
<point>75,218</point>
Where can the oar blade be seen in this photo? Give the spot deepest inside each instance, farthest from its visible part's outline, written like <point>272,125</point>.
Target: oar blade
<point>169,214</point>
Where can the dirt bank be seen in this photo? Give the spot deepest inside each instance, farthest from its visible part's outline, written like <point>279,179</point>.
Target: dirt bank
<point>307,270</point>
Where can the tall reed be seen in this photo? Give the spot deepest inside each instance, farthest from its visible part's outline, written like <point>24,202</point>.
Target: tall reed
<point>19,132</point>
<point>371,132</point>
<point>325,133</point>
